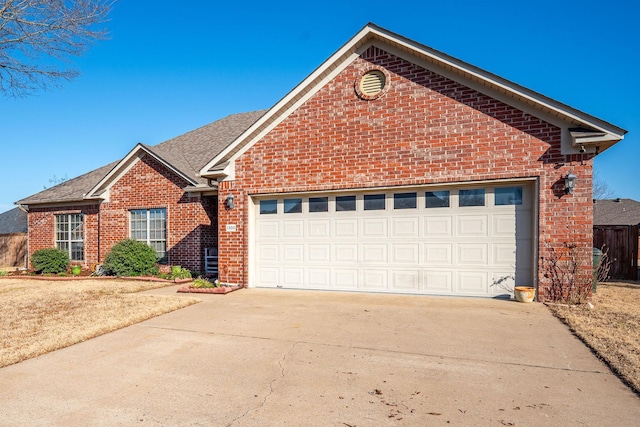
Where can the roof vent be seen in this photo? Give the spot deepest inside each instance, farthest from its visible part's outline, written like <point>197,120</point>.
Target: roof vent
<point>617,200</point>
<point>372,83</point>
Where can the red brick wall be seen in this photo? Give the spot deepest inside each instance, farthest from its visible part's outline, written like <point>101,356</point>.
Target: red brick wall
<point>425,129</point>
<point>191,221</point>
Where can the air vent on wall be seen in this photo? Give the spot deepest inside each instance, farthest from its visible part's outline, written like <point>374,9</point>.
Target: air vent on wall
<point>372,83</point>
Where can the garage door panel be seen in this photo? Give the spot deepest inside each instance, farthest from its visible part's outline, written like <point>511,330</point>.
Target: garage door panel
<point>374,227</point>
<point>346,228</point>
<point>268,252</point>
<point>319,253</point>
<point>374,279</point>
<point>472,226</point>
<point>293,252</point>
<point>405,227</point>
<point>269,276</point>
<point>405,280</point>
<point>268,229</point>
<point>438,281</point>
<point>319,278</point>
<point>406,253</point>
<point>292,277</point>
<point>472,253</point>
<point>292,229</point>
<point>504,254</point>
<point>438,226</point>
<point>346,278</point>
<point>319,229</point>
<point>374,253</point>
<point>438,254</point>
<point>346,253</point>
<point>472,282</point>
<point>421,248</point>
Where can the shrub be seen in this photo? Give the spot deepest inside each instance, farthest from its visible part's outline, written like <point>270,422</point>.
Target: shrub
<point>202,283</point>
<point>50,260</point>
<point>130,258</point>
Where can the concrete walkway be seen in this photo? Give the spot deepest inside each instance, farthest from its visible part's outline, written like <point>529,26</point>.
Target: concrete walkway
<point>292,358</point>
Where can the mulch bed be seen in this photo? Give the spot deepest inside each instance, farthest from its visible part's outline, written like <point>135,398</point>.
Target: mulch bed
<point>221,290</point>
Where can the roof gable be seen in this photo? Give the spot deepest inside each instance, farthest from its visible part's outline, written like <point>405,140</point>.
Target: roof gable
<point>592,132</point>
<point>184,154</point>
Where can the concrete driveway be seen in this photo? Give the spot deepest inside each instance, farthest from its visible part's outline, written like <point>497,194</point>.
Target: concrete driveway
<point>275,357</point>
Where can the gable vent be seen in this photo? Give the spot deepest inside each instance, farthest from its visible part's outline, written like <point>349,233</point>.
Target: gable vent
<point>372,83</point>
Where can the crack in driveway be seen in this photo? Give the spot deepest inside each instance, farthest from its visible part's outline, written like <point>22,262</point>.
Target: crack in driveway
<point>266,397</point>
<point>384,350</point>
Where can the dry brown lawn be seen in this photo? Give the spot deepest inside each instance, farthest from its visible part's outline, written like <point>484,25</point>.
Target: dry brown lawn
<point>37,316</point>
<point>611,328</point>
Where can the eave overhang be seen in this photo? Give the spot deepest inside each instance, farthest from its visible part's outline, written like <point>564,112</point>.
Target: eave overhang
<point>492,85</point>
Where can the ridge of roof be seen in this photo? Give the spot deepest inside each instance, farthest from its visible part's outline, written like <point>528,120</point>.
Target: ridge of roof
<point>471,75</point>
<point>185,153</point>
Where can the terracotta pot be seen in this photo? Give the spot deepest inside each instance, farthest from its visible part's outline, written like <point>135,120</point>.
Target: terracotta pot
<point>524,293</point>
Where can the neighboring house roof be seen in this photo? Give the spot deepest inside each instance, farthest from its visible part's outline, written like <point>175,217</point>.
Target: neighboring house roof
<point>616,212</point>
<point>185,154</point>
<point>13,221</point>
<point>579,129</point>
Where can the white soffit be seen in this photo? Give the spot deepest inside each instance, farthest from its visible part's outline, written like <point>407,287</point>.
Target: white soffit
<point>441,63</point>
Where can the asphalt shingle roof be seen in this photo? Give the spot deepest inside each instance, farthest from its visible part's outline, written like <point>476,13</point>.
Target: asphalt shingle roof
<point>187,153</point>
<point>616,212</point>
<point>13,221</point>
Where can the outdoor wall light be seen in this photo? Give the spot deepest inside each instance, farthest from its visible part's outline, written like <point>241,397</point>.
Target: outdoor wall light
<point>570,183</point>
<point>229,202</point>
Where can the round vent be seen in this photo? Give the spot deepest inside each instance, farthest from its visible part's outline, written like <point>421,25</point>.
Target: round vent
<point>372,83</point>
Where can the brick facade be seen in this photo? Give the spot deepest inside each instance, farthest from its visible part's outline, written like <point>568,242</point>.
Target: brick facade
<point>425,129</point>
<point>191,220</point>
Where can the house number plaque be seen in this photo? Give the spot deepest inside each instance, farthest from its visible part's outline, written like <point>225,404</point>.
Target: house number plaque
<point>231,227</point>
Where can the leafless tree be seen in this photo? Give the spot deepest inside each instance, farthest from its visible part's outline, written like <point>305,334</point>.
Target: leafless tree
<point>601,190</point>
<point>38,38</point>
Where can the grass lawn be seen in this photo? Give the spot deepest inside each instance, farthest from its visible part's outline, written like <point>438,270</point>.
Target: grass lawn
<point>42,316</point>
<point>611,328</point>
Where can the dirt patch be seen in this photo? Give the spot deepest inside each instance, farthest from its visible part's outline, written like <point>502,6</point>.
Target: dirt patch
<point>611,328</point>
<point>42,316</point>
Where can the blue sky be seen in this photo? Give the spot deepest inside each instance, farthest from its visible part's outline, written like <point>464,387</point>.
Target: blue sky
<point>170,67</point>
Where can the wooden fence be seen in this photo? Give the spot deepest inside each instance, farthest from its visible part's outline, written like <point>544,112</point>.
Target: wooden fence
<point>13,250</point>
<point>621,242</point>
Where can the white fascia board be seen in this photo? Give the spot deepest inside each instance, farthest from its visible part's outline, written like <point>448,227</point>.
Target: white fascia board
<point>125,166</point>
<point>501,84</point>
<point>301,93</point>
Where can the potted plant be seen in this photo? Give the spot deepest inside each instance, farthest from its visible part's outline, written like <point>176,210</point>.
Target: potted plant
<point>76,269</point>
<point>524,293</point>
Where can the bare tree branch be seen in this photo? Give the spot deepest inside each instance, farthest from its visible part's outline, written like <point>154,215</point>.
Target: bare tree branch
<point>36,32</point>
<point>601,190</point>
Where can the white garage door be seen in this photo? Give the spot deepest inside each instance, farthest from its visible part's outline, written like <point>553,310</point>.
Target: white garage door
<point>472,241</point>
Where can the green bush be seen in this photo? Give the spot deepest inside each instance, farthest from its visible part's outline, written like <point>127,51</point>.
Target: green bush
<point>130,258</point>
<point>202,283</point>
<point>50,260</point>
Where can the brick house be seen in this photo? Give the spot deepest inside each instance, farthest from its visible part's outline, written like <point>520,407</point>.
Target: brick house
<point>391,168</point>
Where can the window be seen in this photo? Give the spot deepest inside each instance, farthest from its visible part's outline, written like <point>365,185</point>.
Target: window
<point>508,196</point>
<point>345,203</point>
<point>318,204</point>
<point>373,202</point>
<point>437,199</point>
<point>268,207</point>
<point>69,235</point>
<point>405,200</point>
<point>473,197</point>
<point>292,206</point>
<point>150,226</point>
